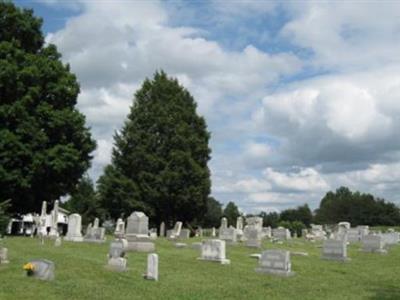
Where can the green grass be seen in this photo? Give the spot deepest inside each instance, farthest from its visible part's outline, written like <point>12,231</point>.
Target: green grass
<point>80,274</point>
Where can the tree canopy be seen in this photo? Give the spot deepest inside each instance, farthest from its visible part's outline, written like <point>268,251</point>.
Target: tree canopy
<point>356,208</point>
<point>231,212</point>
<point>302,214</point>
<point>159,161</point>
<point>44,144</point>
<point>213,216</point>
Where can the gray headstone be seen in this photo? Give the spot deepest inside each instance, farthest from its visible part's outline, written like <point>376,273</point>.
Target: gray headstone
<point>4,256</point>
<point>152,267</point>
<point>43,269</point>
<point>275,262</point>
<point>335,250</point>
<point>214,250</point>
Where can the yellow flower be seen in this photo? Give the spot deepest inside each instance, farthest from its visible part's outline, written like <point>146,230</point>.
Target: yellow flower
<point>29,267</point>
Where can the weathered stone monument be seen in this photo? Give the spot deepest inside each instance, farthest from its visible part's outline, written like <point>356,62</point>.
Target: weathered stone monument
<point>152,267</point>
<point>335,250</point>
<point>224,223</point>
<point>162,229</point>
<point>353,235</point>
<point>252,237</point>
<point>74,228</point>
<point>116,259</point>
<point>374,244</point>
<point>184,234</point>
<point>281,233</point>
<point>214,250</point>
<point>42,269</point>
<point>137,233</point>
<point>175,232</point>
<point>229,235</point>
<point>3,256</point>
<point>254,222</point>
<point>42,229</point>
<point>95,234</point>
<point>213,232</point>
<point>119,232</point>
<point>266,232</point>
<point>54,221</point>
<point>57,242</point>
<point>276,262</point>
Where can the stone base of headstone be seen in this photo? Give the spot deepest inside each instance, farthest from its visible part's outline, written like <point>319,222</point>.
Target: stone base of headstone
<point>274,272</point>
<point>138,246</point>
<point>73,238</point>
<point>326,257</point>
<point>43,269</point>
<point>221,261</point>
<point>117,264</point>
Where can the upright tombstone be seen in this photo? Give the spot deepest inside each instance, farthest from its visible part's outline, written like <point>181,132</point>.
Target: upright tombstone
<point>119,232</point>
<point>252,237</point>
<point>42,230</point>
<point>391,238</point>
<point>224,223</point>
<point>116,259</point>
<point>374,244</point>
<point>95,234</point>
<point>229,235</point>
<point>213,232</point>
<point>184,234</point>
<point>152,267</point>
<point>317,233</point>
<point>214,250</point>
<point>162,229</point>
<point>57,242</point>
<point>266,232</point>
<point>342,233</point>
<point>3,256</point>
<point>363,230</point>
<point>175,232</point>
<point>335,250</point>
<point>254,223</point>
<point>137,233</point>
<point>54,221</point>
<point>74,228</point>
<point>353,235</point>
<point>239,227</point>
<point>276,262</point>
<point>281,233</point>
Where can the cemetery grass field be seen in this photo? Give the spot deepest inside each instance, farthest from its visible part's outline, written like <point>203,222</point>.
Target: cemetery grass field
<point>80,274</point>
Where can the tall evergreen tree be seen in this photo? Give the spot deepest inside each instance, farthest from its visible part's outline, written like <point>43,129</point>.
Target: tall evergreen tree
<point>159,161</point>
<point>231,212</point>
<point>44,144</point>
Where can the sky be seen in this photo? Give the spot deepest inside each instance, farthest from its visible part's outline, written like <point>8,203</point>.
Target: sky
<point>300,97</point>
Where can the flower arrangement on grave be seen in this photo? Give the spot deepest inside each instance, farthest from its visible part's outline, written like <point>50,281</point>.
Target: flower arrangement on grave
<point>29,268</point>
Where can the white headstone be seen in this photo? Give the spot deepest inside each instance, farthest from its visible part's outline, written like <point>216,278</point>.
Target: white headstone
<point>335,250</point>
<point>229,235</point>
<point>373,243</point>
<point>152,267</point>
<point>162,229</point>
<point>54,221</point>
<point>74,228</point>
<point>119,229</point>
<point>137,233</point>
<point>275,262</point>
<point>224,223</point>
<point>252,237</point>
<point>4,256</point>
<point>214,250</point>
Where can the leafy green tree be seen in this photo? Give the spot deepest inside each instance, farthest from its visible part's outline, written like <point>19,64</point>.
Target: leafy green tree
<point>4,218</point>
<point>44,144</point>
<point>270,219</point>
<point>302,214</point>
<point>231,212</point>
<point>84,201</point>
<point>159,162</point>
<point>213,216</point>
<point>356,208</point>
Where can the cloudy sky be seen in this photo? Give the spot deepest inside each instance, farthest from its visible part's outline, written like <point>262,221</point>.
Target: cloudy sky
<point>300,97</point>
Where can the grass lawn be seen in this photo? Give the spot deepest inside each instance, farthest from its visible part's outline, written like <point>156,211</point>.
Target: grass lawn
<point>80,274</point>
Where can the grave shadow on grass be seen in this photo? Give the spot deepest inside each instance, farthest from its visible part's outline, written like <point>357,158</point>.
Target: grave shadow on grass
<point>386,293</point>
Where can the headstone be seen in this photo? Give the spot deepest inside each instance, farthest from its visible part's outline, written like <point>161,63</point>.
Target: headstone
<point>239,223</point>
<point>252,237</point>
<point>95,234</point>
<point>335,250</point>
<point>281,233</point>
<point>254,222</point>
<point>224,223</point>
<point>363,230</point>
<point>180,245</point>
<point>96,223</point>
<point>373,243</point>
<point>3,256</point>
<point>74,228</point>
<point>353,235</point>
<point>266,232</point>
<point>175,232</point>
<point>137,233</point>
<point>214,250</point>
<point>317,233</point>
<point>184,234</point>
<point>153,233</point>
<point>162,229</point>
<point>152,267</point>
<point>229,235</point>
<point>276,262</point>
<point>119,232</point>
<point>116,260</point>
<point>213,232</point>
<point>57,242</point>
<point>54,221</point>
<point>43,269</point>
<point>42,230</point>
<point>391,238</point>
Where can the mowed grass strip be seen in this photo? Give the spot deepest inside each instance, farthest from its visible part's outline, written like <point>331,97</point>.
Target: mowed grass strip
<point>81,274</point>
